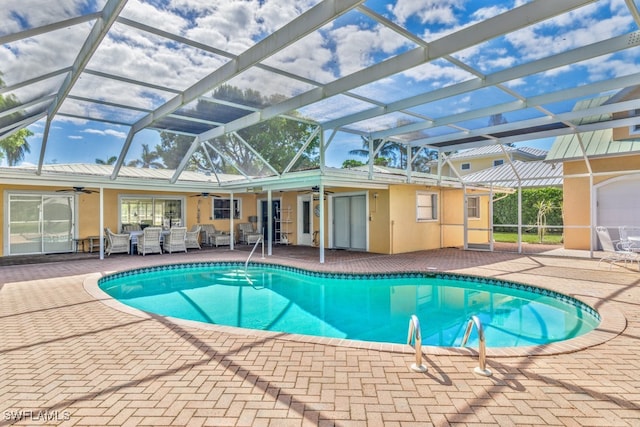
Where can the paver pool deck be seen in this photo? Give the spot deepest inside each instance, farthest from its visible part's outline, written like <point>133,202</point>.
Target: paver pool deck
<point>68,358</point>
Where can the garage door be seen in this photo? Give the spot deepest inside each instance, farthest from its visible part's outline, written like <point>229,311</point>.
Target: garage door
<point>619,203</point>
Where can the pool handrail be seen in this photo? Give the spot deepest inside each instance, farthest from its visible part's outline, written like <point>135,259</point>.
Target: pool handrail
<point>260,240</point>
<point>481,369</point>
<point>415,335</point>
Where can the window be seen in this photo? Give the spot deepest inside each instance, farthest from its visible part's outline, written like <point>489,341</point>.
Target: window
<point>498,162</point>
<point>151,211</point>
<point>635,129</point>
<point>222,208</point>
<point>473,207</point>
<point>465,166</point>
<point>426,206</point>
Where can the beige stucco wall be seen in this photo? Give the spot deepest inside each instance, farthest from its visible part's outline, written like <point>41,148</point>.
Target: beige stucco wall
<point>577,194</point>
<point>392,215</point>
<point>88,209</point>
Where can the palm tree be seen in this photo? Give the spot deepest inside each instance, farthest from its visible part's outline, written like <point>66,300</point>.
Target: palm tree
<point>16,146</point>
<point>110,161</point>
<point>148,159</point>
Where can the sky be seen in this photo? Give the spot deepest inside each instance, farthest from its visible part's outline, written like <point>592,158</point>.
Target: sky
<point>346,45</point>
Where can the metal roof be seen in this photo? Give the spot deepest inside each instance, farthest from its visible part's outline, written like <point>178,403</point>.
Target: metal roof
<point>496,150</point>
<point>445,76</point>
<point>518,173</point>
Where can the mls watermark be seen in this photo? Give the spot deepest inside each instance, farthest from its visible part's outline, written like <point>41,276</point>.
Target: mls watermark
<point>36,416</point>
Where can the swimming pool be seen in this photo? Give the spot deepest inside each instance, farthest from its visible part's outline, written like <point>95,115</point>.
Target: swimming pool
<point>367,307</point>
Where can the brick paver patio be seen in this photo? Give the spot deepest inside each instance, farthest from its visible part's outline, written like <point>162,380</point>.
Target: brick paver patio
<point>69,359</point>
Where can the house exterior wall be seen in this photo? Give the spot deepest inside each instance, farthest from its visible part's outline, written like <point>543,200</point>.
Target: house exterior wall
<point>393,227</point>
<point>479,163</point>
<point>577,195</point>
<point>88,205</point>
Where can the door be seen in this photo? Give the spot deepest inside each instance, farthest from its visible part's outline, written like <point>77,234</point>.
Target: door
<point>264,217</point>
<point>40,224</point>
<point>350,222</point>
<point>305,220</point>
<point>618,203</point>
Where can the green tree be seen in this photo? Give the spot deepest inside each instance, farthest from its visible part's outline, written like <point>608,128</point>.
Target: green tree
<point>148,159</point>
<point>15,146</point>
<point>276,140</point>
<point>351,163</point>
<point>394,154</point>
<point>109,161</point>
<point>505,210</point>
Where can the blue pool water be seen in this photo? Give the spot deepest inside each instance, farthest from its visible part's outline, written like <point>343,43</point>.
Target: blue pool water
<point>374,307</point>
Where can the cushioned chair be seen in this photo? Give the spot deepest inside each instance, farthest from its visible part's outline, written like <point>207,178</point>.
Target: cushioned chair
<point>175,241</point>
<point>192,238</point>
<point>117,243</point>
<point>213,237</point>
<point>247,234</point>
<point>149,242</point>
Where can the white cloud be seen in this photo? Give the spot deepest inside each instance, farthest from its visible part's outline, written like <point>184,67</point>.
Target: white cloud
<point>356,47</point>
<point>75,137</point>
<point>106,132</point>
<point>428,12</point>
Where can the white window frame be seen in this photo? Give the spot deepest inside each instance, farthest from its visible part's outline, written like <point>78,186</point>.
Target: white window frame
<point>475,206</point>
<point>237,203</point>
<point>465,167</point>
<point>154,199</point>
<point>426,206</point>
<point>498,162</point>
<point>634,129</point>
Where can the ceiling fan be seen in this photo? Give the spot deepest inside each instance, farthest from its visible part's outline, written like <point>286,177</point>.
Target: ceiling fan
<point>316,189</point>
<point>204,195</point>
<point>78,190</point>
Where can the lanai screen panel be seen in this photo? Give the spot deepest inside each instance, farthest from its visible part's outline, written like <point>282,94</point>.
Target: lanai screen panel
<point>103,79</point>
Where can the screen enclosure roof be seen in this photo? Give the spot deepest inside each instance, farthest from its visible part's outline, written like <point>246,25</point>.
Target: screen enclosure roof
<point>244,92</point>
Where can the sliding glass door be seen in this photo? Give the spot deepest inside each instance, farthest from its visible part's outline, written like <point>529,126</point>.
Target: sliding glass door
<point>40,223</point>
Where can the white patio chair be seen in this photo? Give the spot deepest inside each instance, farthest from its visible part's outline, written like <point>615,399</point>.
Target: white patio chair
<point>117,243</point>
<point>192,238</point>
<point>213,237</point>
<point>149,242</point>
<point>615,251</point>
<point>247,234</point>
<point>175,241</point>
<point>630,237</point>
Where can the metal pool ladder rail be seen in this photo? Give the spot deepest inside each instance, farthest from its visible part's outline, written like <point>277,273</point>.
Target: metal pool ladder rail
<point>482,348</point>
<point>416,336</point>
<point>260,240</point>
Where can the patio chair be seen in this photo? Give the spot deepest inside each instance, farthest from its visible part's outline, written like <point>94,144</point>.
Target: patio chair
<point>615,251</point>
<point>117,243</point>
<point>630,237</point>
<point>192,238</point>
<point>213,237</point>
<point>247,234</point>
<point>131,227</point>
<point>175,241</point>
<point>149,242</point>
